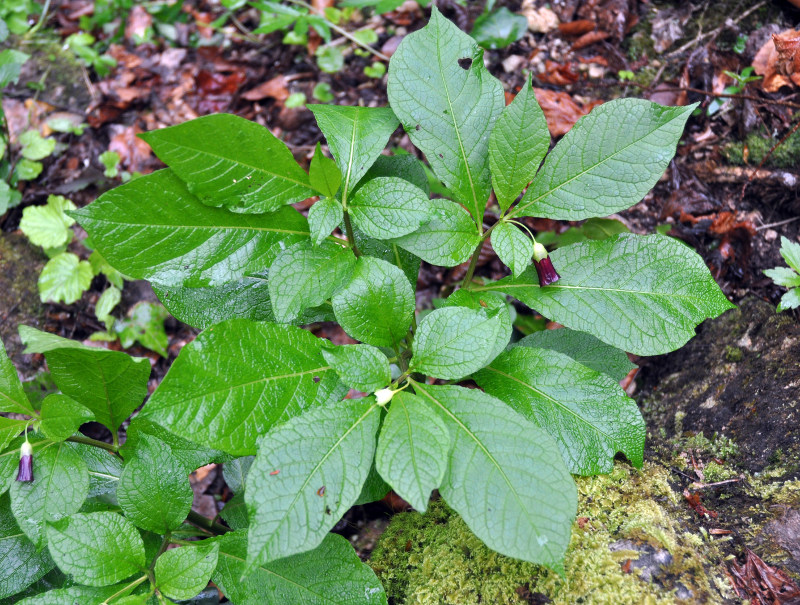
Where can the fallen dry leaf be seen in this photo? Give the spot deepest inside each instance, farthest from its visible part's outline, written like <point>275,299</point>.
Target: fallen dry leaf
<point>134,153</point>
<point>778,60</point>
<point>138,22</point>
<point>763,584</point>
<point>277,88</point>
<point>558,74</point>
<point>560,110</point>
<point>589,39</point>
<point>577,28</point>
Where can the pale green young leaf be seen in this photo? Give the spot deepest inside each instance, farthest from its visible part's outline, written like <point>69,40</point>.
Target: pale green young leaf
<point>305,276</point>
<point>100,265</point>
<point>145,325</point>
<point>356,136</point>
<point>377,305</point>
<point>450,342</point>
<point>608,161</point>
<point>448,103</point>
<point>182,573</point>
<point>217,395</point>
<point>96,549</point>
<point>583,348</point>
<point>513,247</point>
<point>12,396</point>
<point>789,300</point>
<point>388,207</point>
<point>783,276</point>
<point>22,562</point>
<point>323,217</point>
<point>109,299</point>
<point>361,367</point>
<point>412,449</point>
<point>505,476</point>
<point>447,239</point>
<point>518,143</point>
<point>642,294</point>
<point>179,240</point>
<point>322,458</point>
<point>154,490</point>
<point>64,278</point>
<point>110,383</point>
<point>62,416</point>
<point>235,473</point>
<point>404,166</point>
<point>59,487</point>
<point>586,412</point>
<point>229,161</point>
<point>790,251</point>
<point>491,302</point>
<point>48,226</point>
<point>331,574</point>
<point>323,174</point>
<point>35,146</point>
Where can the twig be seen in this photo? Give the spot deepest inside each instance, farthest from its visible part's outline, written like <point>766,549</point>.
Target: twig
<point>778,224</point>
<point>766,157</point>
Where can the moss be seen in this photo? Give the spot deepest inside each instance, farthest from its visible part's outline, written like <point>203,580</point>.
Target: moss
<point>786,155</point>
<point>434,559</point>
<point>733,354</point>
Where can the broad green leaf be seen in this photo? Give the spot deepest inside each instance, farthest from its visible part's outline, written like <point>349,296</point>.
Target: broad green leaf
<point>59,487</point>
<point>305,276</point>
<point>245,298</point>
<point>387,207</point>
<point>505,476</point>
<point>62,416</point>
<point>322,458</point>
<point>145,325</point>
<point>448,103</point>
<point>356,136</point>
<point>154,490</point>
<point>110,383</point>
<point>323,217</point>
<point>513,247</point>
<point>179,240</point>
<point>34,146</point>
<point>97,549</point>
<point>499,28</point>
<point>518,143</point>
<point>790,251</point>
<point>404,166</point>
<point>608,161</point>
<point>331,574</point>
<point>494,302</point>
<point>12,397</point>
<point>391,253</point>
<point>601,228</point>
<point>11,62</point>
<point>374,488</point>
<point>412,449</point>
<point>100,265</point>
<point>586,412</point>
<point>583,348</point>
<point>181,573</point>
<point>48,226</point>
<point>643,294</point>
<point>450,343</point>
<point>228,161</point>
<point>77,595</point>
<point>239,378</point>
<point>21,563</point>
<point>10,428</point>
<point>27,170</point>
<point>191,455</point>
<point>323,174</point>
<point>361,367</point>
<point>377,305</point>
<point>235,473</point>
<point>783,276</point>
<point>235,512</point>
<point>8,469</point>
<point>448,239</point>
<point>64,278</point>
<point>104,469</point>
<point>789,300</point>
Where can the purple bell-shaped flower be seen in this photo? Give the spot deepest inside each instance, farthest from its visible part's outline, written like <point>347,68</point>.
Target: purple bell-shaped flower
<point>25,472</point>
<point>544,266</point>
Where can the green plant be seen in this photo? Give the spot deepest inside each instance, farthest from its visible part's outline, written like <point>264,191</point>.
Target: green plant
<point>788,277</point>
<point>740,82</point>
<point>216,236</point>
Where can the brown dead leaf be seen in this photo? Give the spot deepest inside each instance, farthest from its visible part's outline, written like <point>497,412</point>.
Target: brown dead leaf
<point>778,60</point>
<point>134,153</point>
<point>577,28</point>
<point>560,110</point>
<point>558,74</point>
<point>277,88</point>
<point>763,584</point>
<point>589,39</point>
<point>139,20</point>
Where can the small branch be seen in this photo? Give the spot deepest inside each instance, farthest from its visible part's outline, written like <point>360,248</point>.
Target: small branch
<point>350,237</point>
<point>778,224</point>
<point>210,525</point>
<point>473,262</point>
<point>94,442</point>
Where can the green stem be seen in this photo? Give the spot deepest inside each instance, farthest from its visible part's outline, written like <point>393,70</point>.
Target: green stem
<point>350,237</point>
<point>101,444</point>
<point>473,262</point>
<point>125,589</point>
<point>342,31</point>
<point>206,523</point>
<point>41,20</point>
<point>164,544</point>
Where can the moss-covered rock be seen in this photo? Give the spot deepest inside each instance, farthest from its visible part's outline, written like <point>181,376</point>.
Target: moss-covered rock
<point>628,546</point>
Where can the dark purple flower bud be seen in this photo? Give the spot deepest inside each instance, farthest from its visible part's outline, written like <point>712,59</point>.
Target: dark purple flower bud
<point>544,266</point>
<point>25,472</point>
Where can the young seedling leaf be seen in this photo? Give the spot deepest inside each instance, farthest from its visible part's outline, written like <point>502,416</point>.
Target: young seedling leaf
<point>64,278</point>
<point>182,573</point>
<point>48,226</point>
<point>513,247</point>
<point>324,217</point>
<point>323,174</point>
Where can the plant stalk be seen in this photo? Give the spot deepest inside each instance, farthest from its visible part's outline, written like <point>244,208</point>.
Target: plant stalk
<point>350,237</point>
<point>114,449</point>
<point>205,523</point>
